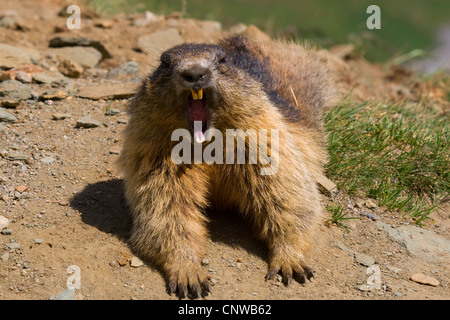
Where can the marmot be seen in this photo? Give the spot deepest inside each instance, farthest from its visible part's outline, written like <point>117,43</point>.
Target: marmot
<point>237,83</point>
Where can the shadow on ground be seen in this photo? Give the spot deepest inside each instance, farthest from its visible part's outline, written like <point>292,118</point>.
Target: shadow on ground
<point>103,206</point>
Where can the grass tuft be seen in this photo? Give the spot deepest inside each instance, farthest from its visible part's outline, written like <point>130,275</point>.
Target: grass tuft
<point>338,215</point>
<point>394,153</point>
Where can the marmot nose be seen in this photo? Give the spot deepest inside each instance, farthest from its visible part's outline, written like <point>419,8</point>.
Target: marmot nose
<point>195,74</point>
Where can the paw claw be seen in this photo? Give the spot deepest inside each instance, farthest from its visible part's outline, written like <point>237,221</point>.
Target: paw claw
<point>299,272</point>
<point>192,284</point>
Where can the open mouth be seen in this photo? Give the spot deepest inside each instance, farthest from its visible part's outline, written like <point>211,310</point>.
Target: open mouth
<point>198,115</point>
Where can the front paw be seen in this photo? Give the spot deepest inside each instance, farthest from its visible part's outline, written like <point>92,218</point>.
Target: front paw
<point>187,279</point>
<point>290,269</point>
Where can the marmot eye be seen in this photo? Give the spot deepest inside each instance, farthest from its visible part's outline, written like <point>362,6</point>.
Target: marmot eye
<point>222,60</point>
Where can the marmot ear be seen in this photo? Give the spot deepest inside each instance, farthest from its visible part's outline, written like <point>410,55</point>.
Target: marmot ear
<point>221,56</point>
<point>165,60</point>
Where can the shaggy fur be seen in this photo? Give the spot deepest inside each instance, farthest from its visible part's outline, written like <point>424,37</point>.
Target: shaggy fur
<point>270,85</point>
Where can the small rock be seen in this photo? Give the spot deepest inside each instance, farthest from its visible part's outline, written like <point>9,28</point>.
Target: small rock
<point>13,246</point>
<point>21,188</point>
<point>7,117</point>
<point>37,241</point>
<point>70,68</point>
<point>47,160</point>
<point>23,77</point>
<point>370,204</point>
<point>60,116</point>
<point>364,287</point>
<point>48,76</point>
<point>11,74</point>
<point>423,279</point>
<point>4,222</point>
<point>68,294</point>
<point>11,56</point>
<point>369,214</point>
<point>124,70</point>
<point>135,262</point>
<point>364,259</point>
<point>5,256</point>
<point>160,40</point>
<point>54,95</point>
<point>205,262</point>
<point>114,151</point>
<point>6,232</point>
<point>87,122</point>
<point>326,186</point>
<point>122,121</point>
<point>12,92</point>
<point>421,243</point>
<point>112,112</point>
<point>17,156</point>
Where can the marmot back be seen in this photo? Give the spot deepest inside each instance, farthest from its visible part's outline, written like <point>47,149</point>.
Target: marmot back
<point>237,86</point>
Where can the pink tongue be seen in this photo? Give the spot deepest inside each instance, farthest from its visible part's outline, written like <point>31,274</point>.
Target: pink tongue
<point>198,114</point>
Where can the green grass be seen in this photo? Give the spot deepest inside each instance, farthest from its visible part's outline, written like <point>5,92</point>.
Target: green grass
<point>405,24</point>
<point>338,215</point>
<point>396,154</point>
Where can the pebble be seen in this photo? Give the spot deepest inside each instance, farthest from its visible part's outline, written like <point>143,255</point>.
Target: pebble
<point>6,232</point>
<point>54,94</point>
<point>6,116</point>
<point>126,69</point>
<point>60,116</point>
<point>159,40</point>
<point>48,76</point>
<point>370,204</point>
<point>21,188</point>
<point>12,56</point>
<point>47,160</point>
<point>70,68</point>
<point>13,246</point>
<point>205,262</point>
<point>23,77</point>
<point>135,262</point>
<point>5,256</point>
<point>364,259</point>
<point>12,92</point>
<point>114,151</point>
<point>369,214</point>
<point>37,241</point>
<point>4,222</point>
<point>17,156</point>
<point>423,279</point>
<point>87,122</point>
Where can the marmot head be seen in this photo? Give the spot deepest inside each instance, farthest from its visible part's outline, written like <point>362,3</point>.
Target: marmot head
<point>203,83</point>
<point>193,72</point>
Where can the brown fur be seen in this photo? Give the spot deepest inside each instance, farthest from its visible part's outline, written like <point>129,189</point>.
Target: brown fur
<point>286,89</point>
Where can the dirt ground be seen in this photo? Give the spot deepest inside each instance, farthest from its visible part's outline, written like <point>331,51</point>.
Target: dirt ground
<point>66,206</point>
